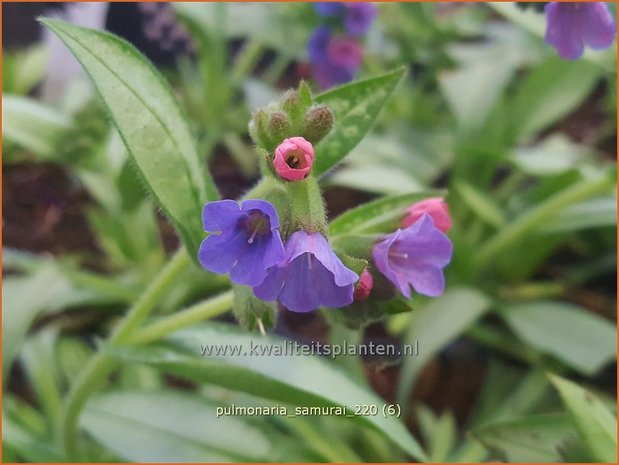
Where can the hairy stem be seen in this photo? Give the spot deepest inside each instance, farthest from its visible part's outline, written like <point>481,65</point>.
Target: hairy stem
<point>201,311</point>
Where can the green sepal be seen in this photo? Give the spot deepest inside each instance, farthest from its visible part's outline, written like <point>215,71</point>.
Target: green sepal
<point>295,109</point>
<point>305,94</point>
<point>248,309</point>
<point>355,264</point>
<point>356,245</point>
<point>363,313</point>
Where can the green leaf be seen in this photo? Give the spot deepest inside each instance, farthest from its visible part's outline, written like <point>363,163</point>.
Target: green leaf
<point>299,380</point>
<point>356,106</point>
<point>23,298</point>
<point>33,126</point>
<point>439,432</point>
<point>150,123</point>
<point>473,91</point>
<point>595,213</point>
<point>538,438</point>
<point>482,204</point>
<point>37,357</point>
<point>372,216</point>
<point>165,426</point>
<point>555,155</point>
<point>577,337</point>
<point>436,325</point>
<point>29,446</point>
<point>551,91</point>
<point>596,425</point>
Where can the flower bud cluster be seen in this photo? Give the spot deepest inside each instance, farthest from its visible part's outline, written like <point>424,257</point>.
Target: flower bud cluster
<point>295,116</point>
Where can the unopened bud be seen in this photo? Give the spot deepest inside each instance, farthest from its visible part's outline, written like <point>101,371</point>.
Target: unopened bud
<point>294,159</point>
<point>279,128</point>
<point>364,286</point>
<point>295,109</point>
<point>258,128</point>
<point>318,122</point>
<point>436,207</point>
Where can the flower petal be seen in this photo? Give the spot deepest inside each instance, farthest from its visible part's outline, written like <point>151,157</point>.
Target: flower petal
<point>271,287</point>
<point>301,242</point>
<point>299,293</point>
<point>426,280</point>
<point>219,253</point>
<point>264,207</point>
<point>563,31</point>
<point>221,215</point>
<point>599,28</point>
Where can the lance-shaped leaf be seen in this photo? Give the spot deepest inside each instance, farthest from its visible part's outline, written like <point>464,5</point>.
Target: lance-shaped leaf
<point>356,107</point>
<point>150,122</point>
<point>267,367</point>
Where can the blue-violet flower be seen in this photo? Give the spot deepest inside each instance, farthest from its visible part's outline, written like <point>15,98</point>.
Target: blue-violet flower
<point>248,244</point>
<point>318,44</point>
<point>329,8</point>
<point>571,26</point>
<point>311,276</point>
<point>415,257</point>
<point>358,18</point>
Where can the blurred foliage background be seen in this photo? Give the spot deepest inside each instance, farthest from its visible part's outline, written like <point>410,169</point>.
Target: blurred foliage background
<point>518,357</point>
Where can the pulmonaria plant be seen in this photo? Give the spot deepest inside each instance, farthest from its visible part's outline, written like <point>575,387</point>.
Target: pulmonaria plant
<point>573,25</point>
<point>335,49</point>
<point>299,269</point>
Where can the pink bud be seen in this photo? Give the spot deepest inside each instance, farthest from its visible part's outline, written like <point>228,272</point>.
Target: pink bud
<point>294,159</point>
<point>436,207</point>
<point>364,286</point>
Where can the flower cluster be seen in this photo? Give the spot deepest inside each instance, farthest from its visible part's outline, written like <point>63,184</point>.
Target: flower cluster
<point>305,273</point>
<point>302,276</point>
<point>574,25</point>
<point>416,254</point>
<point>335,49</point>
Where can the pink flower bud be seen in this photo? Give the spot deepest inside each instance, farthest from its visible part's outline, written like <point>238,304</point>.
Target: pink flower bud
<point>436,207</point>
<point>364,286</point>
<point>294,159</point>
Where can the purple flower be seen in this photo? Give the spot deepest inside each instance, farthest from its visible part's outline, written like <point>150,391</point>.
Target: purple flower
<point>359,17</point>
<point>571,26</point>
<point>329,8</point>
<point>248,244</point>
<point>318,44</point>
<point>311,276</point>
<point>415,256</point>
<point>345,52</point>
<point>329,75</point>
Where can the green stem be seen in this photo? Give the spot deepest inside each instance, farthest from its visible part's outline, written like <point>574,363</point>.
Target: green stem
<point>153,294</point>
<point>538,216</point>
<point>100,366</point>
<point>201,311</point>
